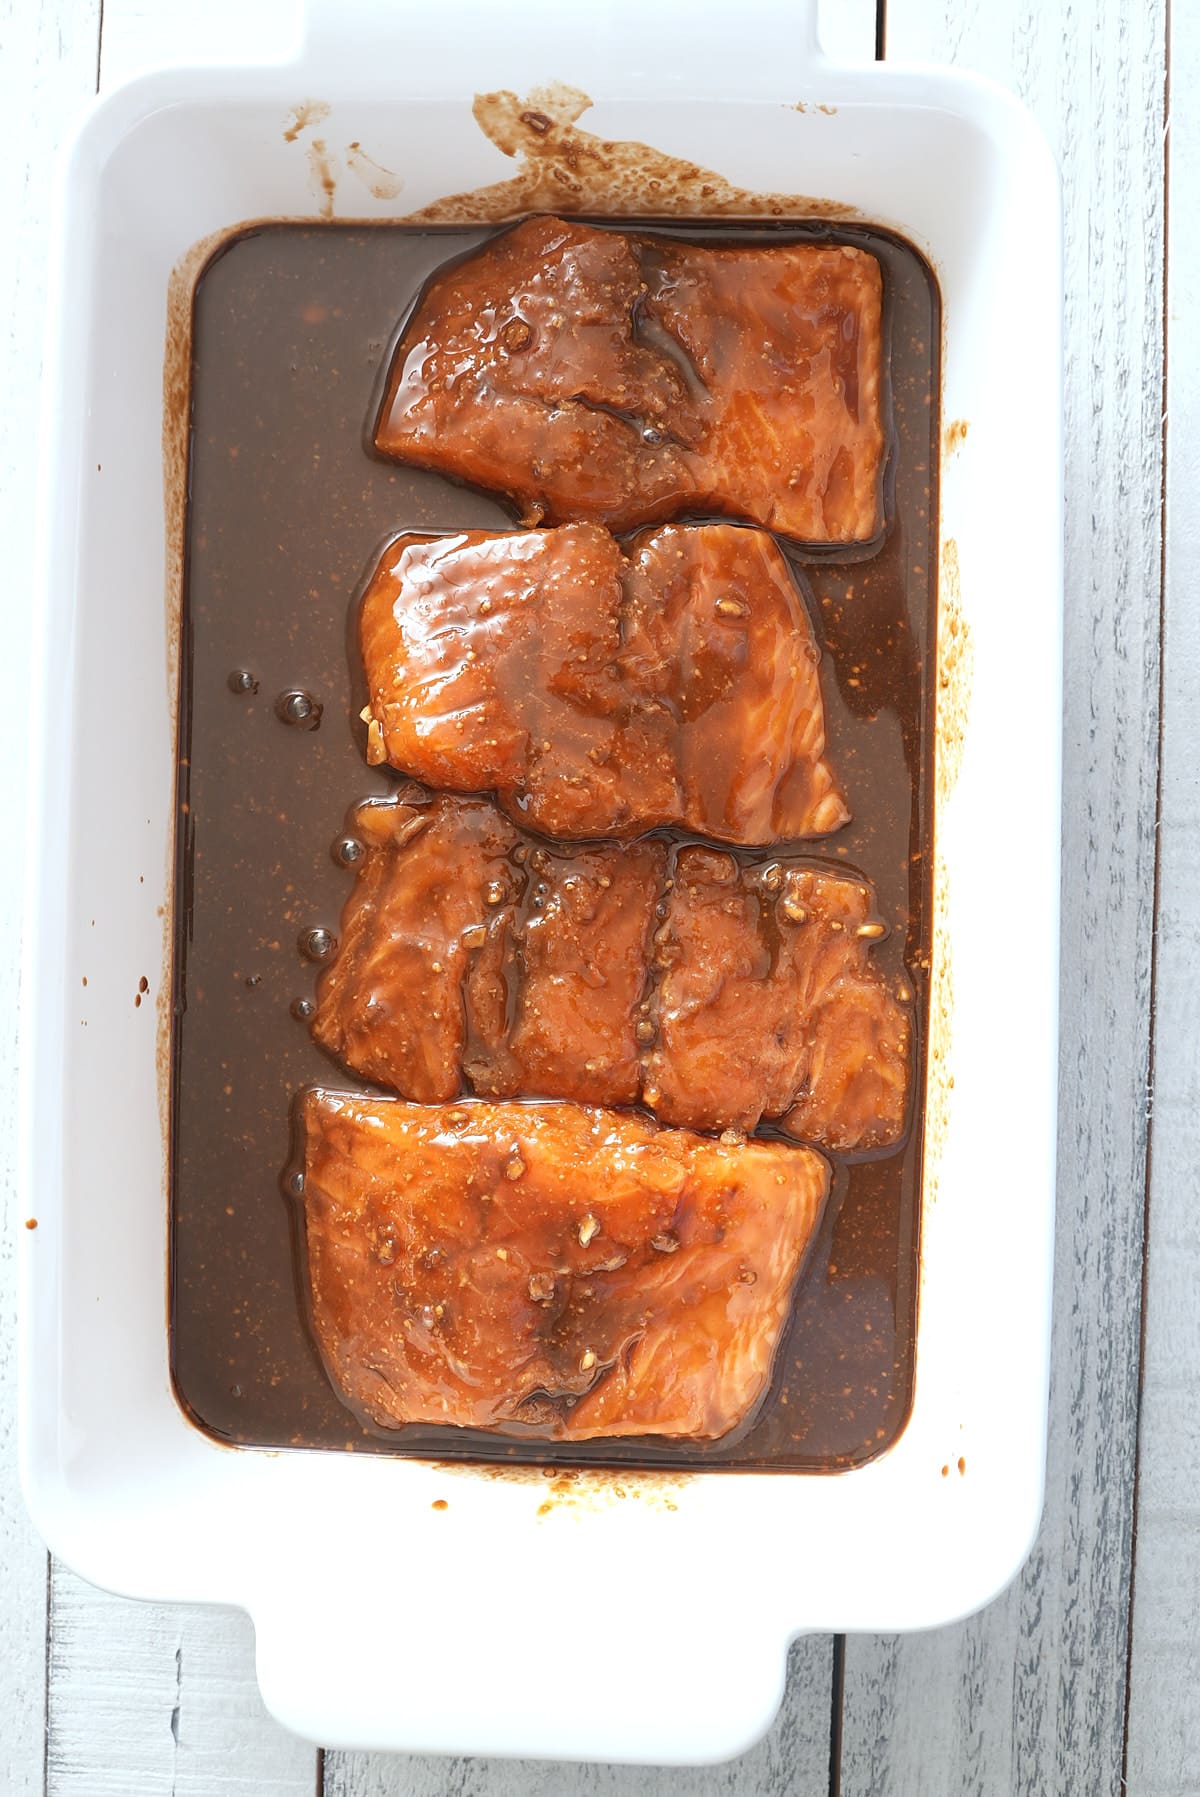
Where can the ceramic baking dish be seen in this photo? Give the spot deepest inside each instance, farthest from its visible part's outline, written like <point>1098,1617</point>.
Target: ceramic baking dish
<point>652,1627</point>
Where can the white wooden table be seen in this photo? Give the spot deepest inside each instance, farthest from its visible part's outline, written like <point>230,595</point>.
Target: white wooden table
<point>1085,1677</point>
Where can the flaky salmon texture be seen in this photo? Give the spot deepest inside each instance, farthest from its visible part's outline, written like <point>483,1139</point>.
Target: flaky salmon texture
<point>625,379</point>
<point>714,989</point>
<point>602,691</point>
<point>552,1270</point>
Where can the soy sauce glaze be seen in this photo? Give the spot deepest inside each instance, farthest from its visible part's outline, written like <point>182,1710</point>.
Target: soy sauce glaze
<point>287,509</point>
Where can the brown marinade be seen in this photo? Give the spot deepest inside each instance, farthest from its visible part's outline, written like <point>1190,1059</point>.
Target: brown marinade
<point>288,508</point>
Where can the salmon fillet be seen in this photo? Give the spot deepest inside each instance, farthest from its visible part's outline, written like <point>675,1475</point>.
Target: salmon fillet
<point>551,1270</point>
<point>769,1005</point>
<point>599,692</point>
<point>623,379</point>
<point>391,1005</point>
<point>714,989</point>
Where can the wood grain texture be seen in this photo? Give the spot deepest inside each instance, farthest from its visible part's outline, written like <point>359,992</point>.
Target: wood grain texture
<point>792,1761</point>
<point>1163,1743</point>
<point>47,69</point>
<point>151,1699</point>
<point>1029,1696</point>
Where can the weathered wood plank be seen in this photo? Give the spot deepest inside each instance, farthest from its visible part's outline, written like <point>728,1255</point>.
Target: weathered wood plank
<point>792,1761</point>
<point>1163,1746</point>
<point>47,68</point>
<point>1029,1696</point>
<point>148,1699</point>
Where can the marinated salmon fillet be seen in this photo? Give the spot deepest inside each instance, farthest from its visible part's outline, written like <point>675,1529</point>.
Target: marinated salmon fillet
<point>391,1004</point>
<point>769,1004</point>
<point>467,948</point>
<point>602,692</point>
<point>551,1270</point>
<point>555,998</point>
<point>714,989</point>
<point>623,379</point>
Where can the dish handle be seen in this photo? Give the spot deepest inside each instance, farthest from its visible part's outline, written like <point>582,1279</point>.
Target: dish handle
<point>625,41</point>
<point>557,1661</point>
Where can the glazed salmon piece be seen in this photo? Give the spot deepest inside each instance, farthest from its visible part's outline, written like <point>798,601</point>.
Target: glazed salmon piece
<point>391,1003</point>
<point>770,1005</point>
<point>470,949</point>
<point>601,692</point>
<point>624,379</point>
<point>573,980</point>
<point>548,1269</point>
<point>717,990</point>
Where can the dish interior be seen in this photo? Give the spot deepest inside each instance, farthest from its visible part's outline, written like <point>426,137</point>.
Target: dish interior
<point>288,508</point>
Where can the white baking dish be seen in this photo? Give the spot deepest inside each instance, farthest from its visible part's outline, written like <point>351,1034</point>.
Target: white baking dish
<point>652,1627</point>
